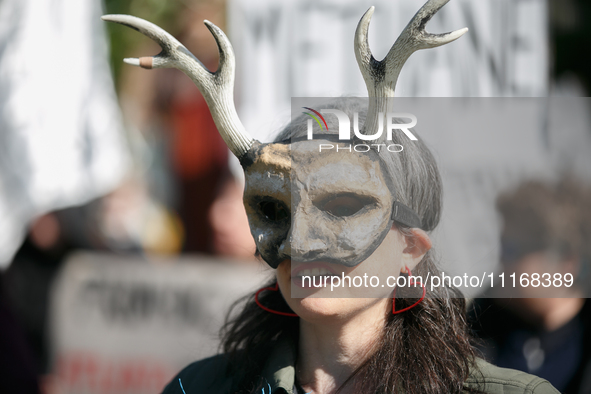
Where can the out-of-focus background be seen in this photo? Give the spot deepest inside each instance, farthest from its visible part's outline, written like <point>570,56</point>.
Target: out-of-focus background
<point>123,239</point>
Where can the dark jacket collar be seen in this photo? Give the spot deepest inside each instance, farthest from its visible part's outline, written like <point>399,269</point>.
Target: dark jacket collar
<point>279,374</point>
<point>279,370</point>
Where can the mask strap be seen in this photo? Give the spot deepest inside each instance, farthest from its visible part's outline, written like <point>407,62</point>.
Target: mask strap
<point>405,216</point>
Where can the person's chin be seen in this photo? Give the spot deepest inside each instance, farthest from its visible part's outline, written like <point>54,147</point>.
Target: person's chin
<point>313,308</point>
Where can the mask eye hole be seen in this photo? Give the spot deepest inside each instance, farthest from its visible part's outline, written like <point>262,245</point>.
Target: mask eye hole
<point>344,205</point>
<point>274,211</point>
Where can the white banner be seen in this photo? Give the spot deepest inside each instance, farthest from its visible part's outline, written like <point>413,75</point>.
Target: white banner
<point>61,135</point>
<point>301,48</point>
<point>120,325</point>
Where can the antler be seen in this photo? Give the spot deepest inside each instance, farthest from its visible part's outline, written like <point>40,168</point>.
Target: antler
<point>217,88</point>
<point>381,76</point>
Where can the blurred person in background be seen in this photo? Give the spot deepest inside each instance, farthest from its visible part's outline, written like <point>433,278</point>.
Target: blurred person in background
<point>62,148</point>
<point>542,330</point>
<point>173,116</point>
<point>62,144</point>
<point>124,221</point>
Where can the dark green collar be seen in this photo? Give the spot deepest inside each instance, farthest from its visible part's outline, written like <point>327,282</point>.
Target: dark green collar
<point>279,375</point>
<point>279,370</point>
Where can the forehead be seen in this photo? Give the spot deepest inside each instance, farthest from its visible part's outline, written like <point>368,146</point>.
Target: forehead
<point>336,169</point>
<point>306,166</point>
<point>269,172</point>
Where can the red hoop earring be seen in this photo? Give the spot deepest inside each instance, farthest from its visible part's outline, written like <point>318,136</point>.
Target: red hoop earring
<point>273,288</point>
<point>410,283</point>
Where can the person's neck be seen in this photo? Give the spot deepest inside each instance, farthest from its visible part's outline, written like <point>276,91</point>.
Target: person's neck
<point>329,353</point>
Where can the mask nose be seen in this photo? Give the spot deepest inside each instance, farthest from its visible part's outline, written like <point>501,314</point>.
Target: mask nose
<point>302,243</point>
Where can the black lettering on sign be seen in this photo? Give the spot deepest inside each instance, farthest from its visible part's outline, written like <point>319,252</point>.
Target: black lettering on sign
<point>264,23</point>
<point>132,303</point>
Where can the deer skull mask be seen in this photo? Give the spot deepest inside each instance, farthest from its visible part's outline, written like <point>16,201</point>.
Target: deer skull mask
<point>310,207</point>
<point>334,208</point>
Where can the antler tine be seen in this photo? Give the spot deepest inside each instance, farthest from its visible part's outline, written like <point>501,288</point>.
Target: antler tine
<point>416,28</point>
<point>381,76</point>
<point>227,59</point>
<point>365,59</point>
<point>217,88</point>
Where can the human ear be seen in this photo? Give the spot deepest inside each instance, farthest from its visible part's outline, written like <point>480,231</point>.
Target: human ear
<point>417,244</point>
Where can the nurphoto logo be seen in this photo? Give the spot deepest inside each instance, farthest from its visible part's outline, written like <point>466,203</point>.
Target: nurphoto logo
<point>345,130</point>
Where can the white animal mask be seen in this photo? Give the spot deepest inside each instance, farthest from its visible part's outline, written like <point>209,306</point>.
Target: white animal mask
<point>301,205</point>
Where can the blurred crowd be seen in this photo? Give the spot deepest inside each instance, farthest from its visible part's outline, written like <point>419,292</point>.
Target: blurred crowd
<point>544,329</point>
<point>181,196</point>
